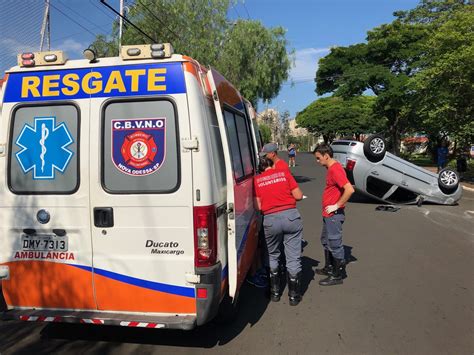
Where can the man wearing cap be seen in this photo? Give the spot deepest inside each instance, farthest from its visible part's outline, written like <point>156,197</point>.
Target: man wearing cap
<point>270,151</point>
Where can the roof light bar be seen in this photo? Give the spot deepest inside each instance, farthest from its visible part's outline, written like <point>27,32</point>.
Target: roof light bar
<point>36,59</point>
<point>147,51</point>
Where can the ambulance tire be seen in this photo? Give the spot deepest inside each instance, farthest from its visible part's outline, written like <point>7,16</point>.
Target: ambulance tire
<point>3,304</point>
<point>228,310</point>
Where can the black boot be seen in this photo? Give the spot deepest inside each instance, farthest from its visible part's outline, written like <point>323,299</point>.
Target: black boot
<point>327,269</point>
<point>294,289</point>
<point>335,278</point>
<point>275,285</point>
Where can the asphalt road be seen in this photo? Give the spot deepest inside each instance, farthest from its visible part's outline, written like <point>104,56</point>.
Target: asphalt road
<point>410,290</point>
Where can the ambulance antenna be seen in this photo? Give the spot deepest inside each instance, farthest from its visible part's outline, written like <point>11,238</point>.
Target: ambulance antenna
<point>45,27</point>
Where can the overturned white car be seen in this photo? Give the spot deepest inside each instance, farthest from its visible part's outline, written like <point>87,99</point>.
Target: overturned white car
<point>386,177</point>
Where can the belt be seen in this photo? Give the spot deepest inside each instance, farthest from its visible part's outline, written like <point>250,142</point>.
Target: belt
<point>339,211</point>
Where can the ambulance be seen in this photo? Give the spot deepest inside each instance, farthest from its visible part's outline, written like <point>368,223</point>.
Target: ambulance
<point>126,190</point>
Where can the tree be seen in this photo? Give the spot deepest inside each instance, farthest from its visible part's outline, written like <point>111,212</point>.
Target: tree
<point>383,65</point>
<point>252,57</point>
<point>444,88</point>
<point>266,133</point>
<point>255,59</point>
<point>332,116</point>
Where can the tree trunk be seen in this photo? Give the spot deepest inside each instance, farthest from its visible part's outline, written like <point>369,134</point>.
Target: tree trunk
<point>395,136</point>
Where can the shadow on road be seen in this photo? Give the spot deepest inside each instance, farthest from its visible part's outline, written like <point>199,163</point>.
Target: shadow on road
<point>307,265</point>
<point>302,179</point>
<point>71,337</point>
<point>358,197</point>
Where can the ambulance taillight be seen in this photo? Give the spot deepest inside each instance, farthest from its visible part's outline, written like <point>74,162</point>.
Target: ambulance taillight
<point>205,236</point>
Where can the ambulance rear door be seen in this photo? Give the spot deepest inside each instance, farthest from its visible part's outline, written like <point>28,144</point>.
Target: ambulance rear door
<point>239,152</point>
<point>141,194</point>
<point>44,194</point>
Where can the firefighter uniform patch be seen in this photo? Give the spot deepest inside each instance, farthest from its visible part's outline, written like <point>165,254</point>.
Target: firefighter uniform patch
<point>139,145</point>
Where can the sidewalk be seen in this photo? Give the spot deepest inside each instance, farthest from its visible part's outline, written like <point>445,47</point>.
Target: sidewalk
<point>468,185</point>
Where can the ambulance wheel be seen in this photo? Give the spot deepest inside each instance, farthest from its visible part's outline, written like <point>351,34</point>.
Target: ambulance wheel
<point>228,310</point>
<point>375,148</point>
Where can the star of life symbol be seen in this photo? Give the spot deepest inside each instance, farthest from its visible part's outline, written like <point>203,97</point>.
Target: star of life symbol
<point>44,148</point>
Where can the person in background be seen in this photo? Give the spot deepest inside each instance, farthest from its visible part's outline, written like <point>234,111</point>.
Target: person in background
<point>336,193</point>
<point>292,155</point>
<point>442,153</point>
<point>276,195</point>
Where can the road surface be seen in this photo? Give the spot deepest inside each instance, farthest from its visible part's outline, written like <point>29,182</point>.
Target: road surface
<point>410,290</point>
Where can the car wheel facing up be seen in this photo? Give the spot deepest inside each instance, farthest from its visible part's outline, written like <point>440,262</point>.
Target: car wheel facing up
<point>375,148</point>
<point>448,181</point>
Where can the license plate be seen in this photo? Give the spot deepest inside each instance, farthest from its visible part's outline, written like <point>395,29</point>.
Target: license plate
<point>44,242</point>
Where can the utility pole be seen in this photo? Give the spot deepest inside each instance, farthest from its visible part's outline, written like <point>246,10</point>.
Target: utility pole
<point>120,24</point>
<point>45,27</point>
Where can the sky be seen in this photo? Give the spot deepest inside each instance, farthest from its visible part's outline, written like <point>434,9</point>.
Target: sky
<point>312,28</point>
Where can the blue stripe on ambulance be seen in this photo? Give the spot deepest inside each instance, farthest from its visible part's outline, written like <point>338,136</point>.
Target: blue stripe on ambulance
<point>156,286</point>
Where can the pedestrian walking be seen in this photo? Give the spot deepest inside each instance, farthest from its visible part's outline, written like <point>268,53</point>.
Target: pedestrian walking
<point>292,155</point>
<point>270,151</point>
<point>336,193</point>
<point>276,196</point>
<point>442,153</point>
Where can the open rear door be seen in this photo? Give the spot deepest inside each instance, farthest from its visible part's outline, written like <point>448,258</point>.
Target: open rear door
<point>238,144</point>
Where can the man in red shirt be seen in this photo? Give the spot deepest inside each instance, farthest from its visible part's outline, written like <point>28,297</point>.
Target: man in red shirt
<point>276,194</point>
<point>270,151</point>
<point>336,193</point>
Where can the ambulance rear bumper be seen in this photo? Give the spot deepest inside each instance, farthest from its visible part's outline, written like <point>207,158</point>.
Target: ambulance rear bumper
<point>185,322</point>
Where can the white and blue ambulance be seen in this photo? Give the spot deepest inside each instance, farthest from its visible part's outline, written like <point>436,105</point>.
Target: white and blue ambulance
<point>126,190</point>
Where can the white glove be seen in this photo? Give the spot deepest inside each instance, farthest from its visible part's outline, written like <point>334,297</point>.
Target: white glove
<point>332,208</point>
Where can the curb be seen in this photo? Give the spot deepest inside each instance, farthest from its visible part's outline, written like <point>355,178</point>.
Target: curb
<point>468,188</point>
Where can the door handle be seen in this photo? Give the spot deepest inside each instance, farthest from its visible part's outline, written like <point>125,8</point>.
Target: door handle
<point>375,173</point>
<point>103,217</point>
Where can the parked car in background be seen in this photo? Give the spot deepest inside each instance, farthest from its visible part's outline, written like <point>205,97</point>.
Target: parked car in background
<point>386,177</point>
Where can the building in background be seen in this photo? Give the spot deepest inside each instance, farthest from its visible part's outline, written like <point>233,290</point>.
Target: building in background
<point>294,130</point>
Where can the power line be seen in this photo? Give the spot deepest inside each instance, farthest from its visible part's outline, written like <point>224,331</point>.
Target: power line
<point>235,9</point>
<point>77,23</point>
<point>103,2</point>
<point>245,7</point>
<point>102,10</point>
<point>78,14</point>
<point>159,20</point>
<point>79,33</point>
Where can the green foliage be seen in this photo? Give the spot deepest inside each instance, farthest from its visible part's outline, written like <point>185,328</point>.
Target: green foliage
<point>382,65</point>
<point>331,116</point>
<point>445,87</point>
<point>252,57</point>
<point>104,47</point>
<point>266,133</point>
<point>255,59</point>
<point>394,63</point>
